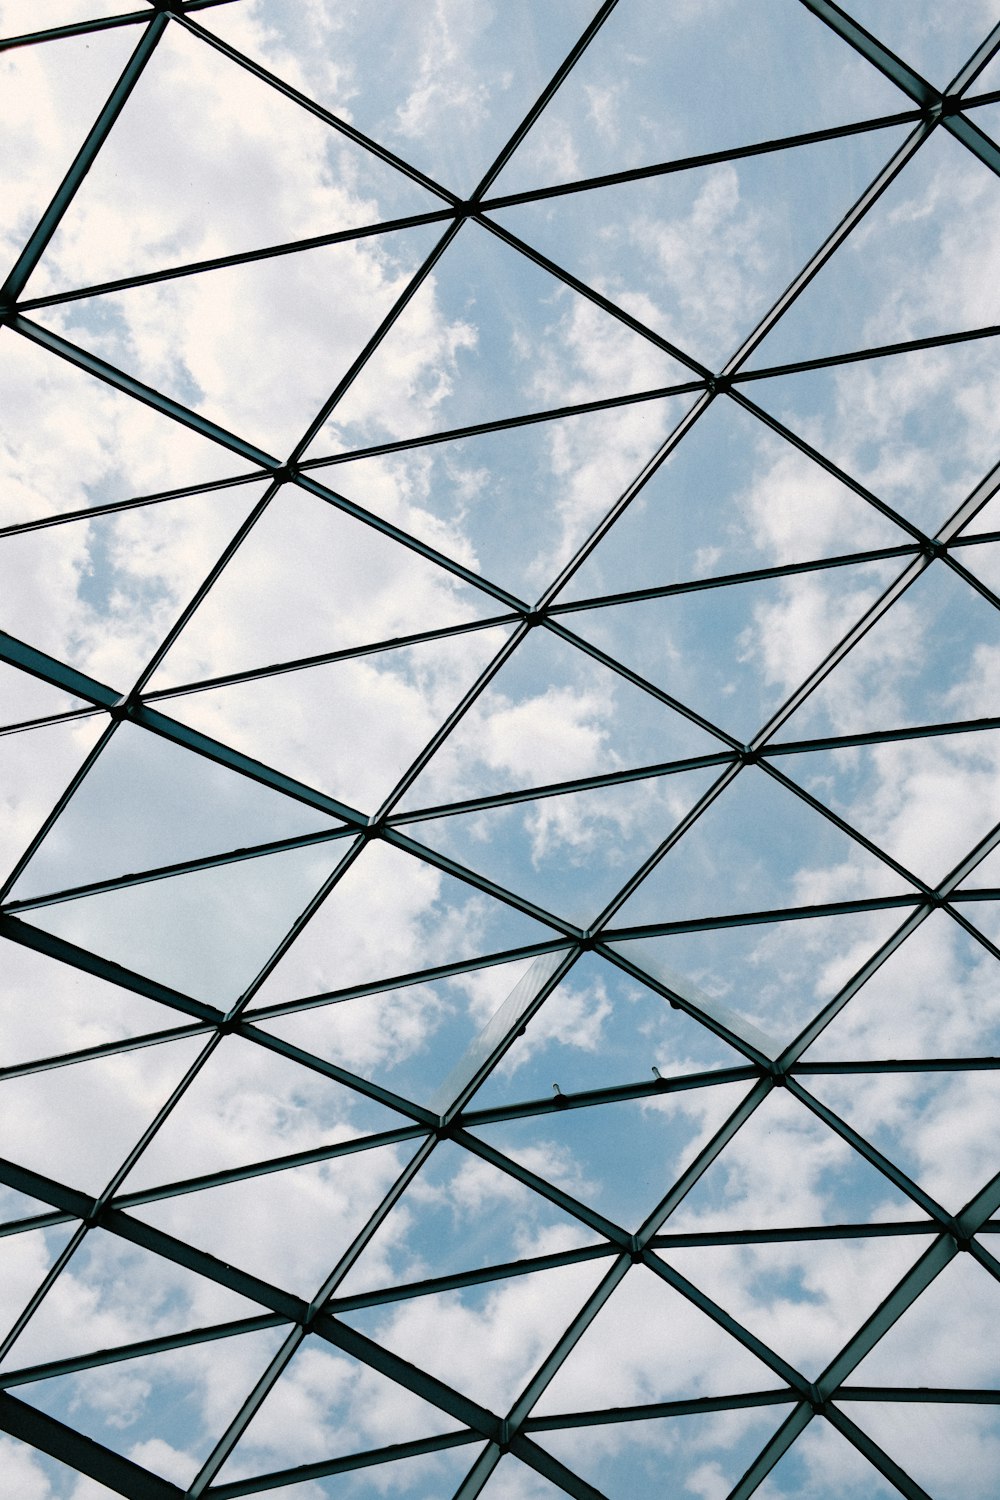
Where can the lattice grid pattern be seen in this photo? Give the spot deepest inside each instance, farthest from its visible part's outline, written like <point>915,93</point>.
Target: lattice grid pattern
<point>499,751</point>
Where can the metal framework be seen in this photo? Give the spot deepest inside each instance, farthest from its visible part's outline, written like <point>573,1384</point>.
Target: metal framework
<point>460,1119</point>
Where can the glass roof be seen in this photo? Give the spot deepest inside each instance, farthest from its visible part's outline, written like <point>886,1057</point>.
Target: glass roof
<point>499,755</point>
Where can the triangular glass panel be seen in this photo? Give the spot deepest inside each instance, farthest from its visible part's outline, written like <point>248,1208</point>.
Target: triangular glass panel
<point>465,1338</point>
<point>206,933</point>
<point>700,256</point>
<point>49,1008</point>
<point>934,996</point>
<point>568,854</point>
<point>582,1150</point>
<point>553,713</point>
<point>112,449</point>
<point>906,271</point>
<point>648,1343</point>
<point>148,802</point>
<point>908,426</point>
<point>164,1410</point>
<point>327,1405</point>
<point>310,579</point>
<point>408,1039</point>
<point>23,697</point>
<point>751,1185</point>
<point>932,1125</point>
<point>112,1293</point>
<point>599,1027</point>
<point>731,498</point>
<point>52,95</point>
<point>805,1299</point>
<point>102,593</point>
<point>924,36</point>
<point>198,130</point>
<point>704,1454</point>
<point>248,1104</point>
<point>515,505</point>
<point>461,1214</point>
<point>825,1466</point>
<point>491,335</point>
<point>683,90</point>
<point>925,801</point>
<point>348,728</point>
<point>763,982</point>
<point>734,654</point>
<point>444,89</point>
<point>36,767</point>
<point>25,1261</point>
<point>391,914</point>
<point>757,847</point>
<point>289,1227</point>
<point>929,659</point>
<point>219,342</point>
<point>944,1338</point>
<point>952,1451</point>
<point>78,1124</point>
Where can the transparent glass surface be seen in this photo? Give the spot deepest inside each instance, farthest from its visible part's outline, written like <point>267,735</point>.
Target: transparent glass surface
<point>499,807</point>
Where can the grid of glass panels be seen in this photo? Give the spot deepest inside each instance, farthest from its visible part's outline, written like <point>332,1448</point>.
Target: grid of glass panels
<point>500,561</point>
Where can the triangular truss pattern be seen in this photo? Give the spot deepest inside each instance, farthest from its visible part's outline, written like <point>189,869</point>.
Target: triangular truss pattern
<point>499,940</point>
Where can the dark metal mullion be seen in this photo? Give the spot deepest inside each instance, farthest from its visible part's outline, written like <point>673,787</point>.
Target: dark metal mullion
<point>480,883</point>
<point>249,1407</point>
<point>934,1394</point>
<point>341,126</point>
<point>753,918</point>
<point>874,51</point>
<point>856,356</point>
<point>544,98</point>
<point>879,736</point>
<point>501,424</point>
<point>841,475</point>
<point>402,981</point>
<point>71,716</point>
<point>854,834</point>
<point>256,1169</point>
<point>42,1290</point>
<point>560,788</point>
<point>385,326</point>
<point>58,807</point>
<point>70,1447</point>
<point>681,1002</point>
<point>387,1097</point>
<point>550,1468</point>
<point>613,310</point>
<point>970,507</point>
<point>974,582</point>
<point>93,364</point>
<point>328,658</point>
<point>38,241</point>
<point>967,75</point>
<point>704,1159</point>
<point>101,1049</point>
<point>832,243</point>
<point>461,1279</point>
<point>585,1215</point>
<point>26,658</point>
<point>619,1093</point>
<point>653,1410</point>
<point>898,1065</point>
<point>693,163</point>
<point>637,680</point>
<point>649,864</point>
<point>875,1455</point>
<point>729,580</point>
<point>74,28</point>
<point>72,1365</point>
<point>423,549</point>
<point>236,258</point>
<point>774,1449</point>
<point>112,507</point>
<point>797,1383</point>
<point>444,729</point>
<point>182,867</point>
<point>779,1235</point>
<point>348,1463</point>
<point>899,1179</point>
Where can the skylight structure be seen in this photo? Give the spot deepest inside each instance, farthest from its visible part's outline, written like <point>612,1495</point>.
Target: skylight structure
<point>499,588</point>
